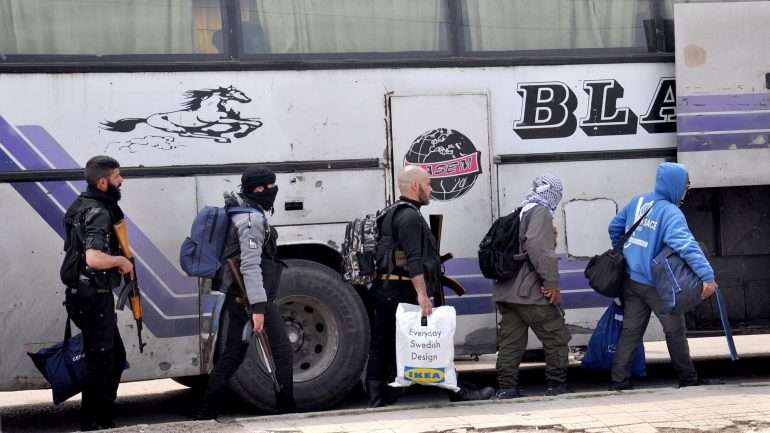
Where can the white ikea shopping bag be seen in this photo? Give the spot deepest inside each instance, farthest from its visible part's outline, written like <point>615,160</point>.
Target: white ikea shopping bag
<point>425,353</point>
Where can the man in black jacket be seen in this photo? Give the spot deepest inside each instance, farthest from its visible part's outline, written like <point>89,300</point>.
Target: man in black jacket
<point>91,275</point>
<point>254,241</point>
<point>407,251</point>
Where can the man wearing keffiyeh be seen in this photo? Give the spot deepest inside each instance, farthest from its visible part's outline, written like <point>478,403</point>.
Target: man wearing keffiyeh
<point>532,298</point>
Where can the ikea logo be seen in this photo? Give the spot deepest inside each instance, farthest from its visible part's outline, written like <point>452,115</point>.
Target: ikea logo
<point>424,375</point>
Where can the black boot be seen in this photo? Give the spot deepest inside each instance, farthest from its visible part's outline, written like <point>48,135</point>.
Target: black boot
<point>206,409</point>
<point>465,394</point>
<point>284,401</point>
<point>557,388</point>
<point>380,394</point>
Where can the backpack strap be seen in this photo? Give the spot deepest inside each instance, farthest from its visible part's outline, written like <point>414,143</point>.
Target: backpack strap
<point>627,235</point>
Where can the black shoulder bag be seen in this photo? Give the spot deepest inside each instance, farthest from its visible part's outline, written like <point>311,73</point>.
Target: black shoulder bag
<point>606,271</point>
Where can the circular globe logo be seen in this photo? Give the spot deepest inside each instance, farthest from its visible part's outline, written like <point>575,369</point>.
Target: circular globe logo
<point>450,159</point>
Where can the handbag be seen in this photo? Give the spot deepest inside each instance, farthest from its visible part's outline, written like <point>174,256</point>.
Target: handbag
<point>63,365</point>
<point>606,272</point>
<point>603,343</point>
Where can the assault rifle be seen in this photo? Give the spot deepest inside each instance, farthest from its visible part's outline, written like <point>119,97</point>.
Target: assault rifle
<point>130,291</point>
<point>436,226</point>
<point>264,351</point>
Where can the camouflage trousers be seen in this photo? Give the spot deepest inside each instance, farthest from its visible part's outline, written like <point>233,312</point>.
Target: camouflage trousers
<point>547,322</point>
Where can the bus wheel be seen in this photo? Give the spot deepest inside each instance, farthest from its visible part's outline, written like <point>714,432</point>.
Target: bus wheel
<point>328,327</point>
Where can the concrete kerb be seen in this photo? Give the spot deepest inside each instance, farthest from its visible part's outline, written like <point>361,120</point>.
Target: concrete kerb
<point>236,424</point>
<point>443,405</point>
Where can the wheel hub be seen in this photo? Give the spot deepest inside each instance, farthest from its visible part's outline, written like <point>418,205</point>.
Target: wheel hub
<point>313,333</point>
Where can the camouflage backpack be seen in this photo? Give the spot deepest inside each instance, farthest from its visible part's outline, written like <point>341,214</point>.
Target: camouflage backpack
<point>359,265</point>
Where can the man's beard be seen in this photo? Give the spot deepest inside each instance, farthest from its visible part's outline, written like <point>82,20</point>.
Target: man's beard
<point>423,195</point>
<point>114,191</point>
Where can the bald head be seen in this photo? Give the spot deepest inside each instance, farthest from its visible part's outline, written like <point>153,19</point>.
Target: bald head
<point>414,183</point>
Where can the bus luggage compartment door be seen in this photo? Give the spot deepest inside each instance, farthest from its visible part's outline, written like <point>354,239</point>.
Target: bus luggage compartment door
<point>722,80</point>
<point>448,135</point>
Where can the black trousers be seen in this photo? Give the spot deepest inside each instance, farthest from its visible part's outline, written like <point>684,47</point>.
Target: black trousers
<point>94,314</point>
<point>234,318</point>
<point>385,297</point>
<point>639,301</point>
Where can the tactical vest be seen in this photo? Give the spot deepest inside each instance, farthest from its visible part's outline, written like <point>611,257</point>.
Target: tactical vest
<point>392,258</point>
<point>74,257</point>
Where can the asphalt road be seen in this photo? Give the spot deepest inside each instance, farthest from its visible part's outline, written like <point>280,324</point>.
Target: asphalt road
<point>165,401</point>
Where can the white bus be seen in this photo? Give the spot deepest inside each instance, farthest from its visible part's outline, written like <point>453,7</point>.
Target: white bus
<point>336,96</point>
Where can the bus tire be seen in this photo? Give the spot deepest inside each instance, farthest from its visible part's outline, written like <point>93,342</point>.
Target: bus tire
<point>328,326</point>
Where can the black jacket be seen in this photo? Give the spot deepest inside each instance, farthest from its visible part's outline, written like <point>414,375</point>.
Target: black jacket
<point>413,239</point>
<point>88,224</point>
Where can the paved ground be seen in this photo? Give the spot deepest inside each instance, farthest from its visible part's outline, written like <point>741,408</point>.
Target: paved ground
<point>722,408</point>
<point>163,405</point>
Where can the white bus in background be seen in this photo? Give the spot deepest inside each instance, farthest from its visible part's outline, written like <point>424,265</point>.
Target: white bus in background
<point>336,97</point>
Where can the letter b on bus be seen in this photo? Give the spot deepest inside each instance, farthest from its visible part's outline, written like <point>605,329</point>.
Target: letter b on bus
<point>548,111</point>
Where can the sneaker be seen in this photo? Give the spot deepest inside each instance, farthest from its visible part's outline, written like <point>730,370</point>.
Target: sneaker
<point>620,386</point>
<point>694,382</point>
<point>557,388</point>
<point>465,394</point>
<point>508,393</point>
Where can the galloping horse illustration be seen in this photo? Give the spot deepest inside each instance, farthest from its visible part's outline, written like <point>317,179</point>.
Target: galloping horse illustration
<point>206,113</point>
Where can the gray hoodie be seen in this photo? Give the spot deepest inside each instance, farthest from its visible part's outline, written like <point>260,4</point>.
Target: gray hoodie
<point>538,240</point>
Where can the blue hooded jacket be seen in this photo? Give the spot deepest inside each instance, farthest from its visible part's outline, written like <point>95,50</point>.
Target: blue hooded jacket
<point>664,225</point>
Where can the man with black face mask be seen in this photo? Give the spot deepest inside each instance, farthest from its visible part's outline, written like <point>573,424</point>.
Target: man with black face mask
<point>254,241</point>
<point>92,268</point>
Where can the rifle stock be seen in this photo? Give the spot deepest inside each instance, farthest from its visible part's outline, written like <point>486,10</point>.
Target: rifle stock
<point>130,291</point>
<point>264,351</point>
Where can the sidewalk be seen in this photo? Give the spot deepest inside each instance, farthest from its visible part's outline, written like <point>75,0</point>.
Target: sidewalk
<point>718,408</point>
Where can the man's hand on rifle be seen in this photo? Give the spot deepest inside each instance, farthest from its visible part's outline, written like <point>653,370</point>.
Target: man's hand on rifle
<point>124,265</point>
<point>259,322</point>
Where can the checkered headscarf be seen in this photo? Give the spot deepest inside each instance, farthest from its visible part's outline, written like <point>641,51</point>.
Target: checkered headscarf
<point>546,190</point>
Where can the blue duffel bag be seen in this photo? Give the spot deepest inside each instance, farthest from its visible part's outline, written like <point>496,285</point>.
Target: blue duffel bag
<point>680,289</point>
<point>676,283</point>
<point>63,365</point>
<point>603,343</point>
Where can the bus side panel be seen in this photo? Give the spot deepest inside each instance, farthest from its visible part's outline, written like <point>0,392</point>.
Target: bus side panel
<point>613,182</point>
<point>723,101</point>
<point>33,294</point>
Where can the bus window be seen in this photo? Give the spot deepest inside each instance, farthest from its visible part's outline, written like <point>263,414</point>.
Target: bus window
<point>108,27</point>
<point>343,26</point>
<point>521,25</point>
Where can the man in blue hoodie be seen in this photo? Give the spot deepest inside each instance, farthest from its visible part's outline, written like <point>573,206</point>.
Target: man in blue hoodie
<point>664,224</point>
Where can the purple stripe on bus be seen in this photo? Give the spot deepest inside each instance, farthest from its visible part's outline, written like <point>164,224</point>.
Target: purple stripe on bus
<point>65,195</point>
<point>735,102</point>
<point>49,147</point>
<point>52,214</point>
<point>481,285</point>
<point>748,140</point>
<point>176,281</point>
<point>723,122</point>
<point>470,265</point>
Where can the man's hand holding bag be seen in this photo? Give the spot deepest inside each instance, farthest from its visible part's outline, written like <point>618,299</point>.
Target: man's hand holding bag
<point>607,271</point>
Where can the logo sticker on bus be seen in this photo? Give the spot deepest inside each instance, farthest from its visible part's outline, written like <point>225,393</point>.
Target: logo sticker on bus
<point>206,113</point>
<point>451,160</point>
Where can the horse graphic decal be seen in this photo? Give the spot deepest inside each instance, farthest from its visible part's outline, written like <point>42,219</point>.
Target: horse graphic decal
<point>206,113</point>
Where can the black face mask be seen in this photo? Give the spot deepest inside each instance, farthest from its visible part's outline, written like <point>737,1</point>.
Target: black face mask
<point>113,191</point>
<point>264,199</point>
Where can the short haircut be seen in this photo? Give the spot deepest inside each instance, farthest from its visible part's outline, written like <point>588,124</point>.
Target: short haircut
<point>98,167</point>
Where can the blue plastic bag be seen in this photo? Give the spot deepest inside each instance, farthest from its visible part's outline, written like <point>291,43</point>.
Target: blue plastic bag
<point>601,346</point>
<point>63,365</point>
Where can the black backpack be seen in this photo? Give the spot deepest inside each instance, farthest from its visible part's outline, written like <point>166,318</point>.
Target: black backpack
<point>499,256</point>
